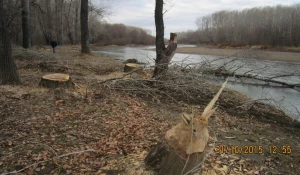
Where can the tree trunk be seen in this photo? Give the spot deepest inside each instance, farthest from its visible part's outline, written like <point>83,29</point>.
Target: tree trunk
<point>165,160</point>
<point>84,26</point>
<point>56,80</point>
<point>48,36</point>
<point>8,70</point>
<point>61,38</point>
<point>132,66</point>
<point>163,54</point>
<point>76,22</point>
<point>184,146</point>
<point>160,44</point>
<point>26,24</point>
<point>70,24</point>
<point>56,22</point>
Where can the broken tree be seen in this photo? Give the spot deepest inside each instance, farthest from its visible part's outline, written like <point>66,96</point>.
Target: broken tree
<point>183,148</point>
<point>163,55</point>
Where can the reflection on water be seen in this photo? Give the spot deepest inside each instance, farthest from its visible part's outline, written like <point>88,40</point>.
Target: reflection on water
<point>286,98</point>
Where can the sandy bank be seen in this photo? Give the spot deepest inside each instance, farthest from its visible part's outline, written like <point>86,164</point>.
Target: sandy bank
<point>263,55</point>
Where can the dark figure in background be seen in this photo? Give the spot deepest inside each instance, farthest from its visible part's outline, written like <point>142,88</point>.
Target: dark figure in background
<point>53,44</point>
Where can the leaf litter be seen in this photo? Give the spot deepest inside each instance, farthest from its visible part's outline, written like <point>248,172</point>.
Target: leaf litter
<point>94,130</point>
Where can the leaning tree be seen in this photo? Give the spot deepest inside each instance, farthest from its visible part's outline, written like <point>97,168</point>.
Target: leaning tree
<point>8,70</point>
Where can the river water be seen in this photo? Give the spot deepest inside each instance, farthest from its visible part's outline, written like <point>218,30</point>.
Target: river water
<point>285,98</point>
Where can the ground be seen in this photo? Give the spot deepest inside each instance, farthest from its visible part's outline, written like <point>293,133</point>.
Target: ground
<point>93,129</point>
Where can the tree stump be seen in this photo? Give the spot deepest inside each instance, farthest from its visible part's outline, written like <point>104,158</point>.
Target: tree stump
<point>56,80</point>
<point>131,67</point>
<point>184,146</point>
<point>165,160</point>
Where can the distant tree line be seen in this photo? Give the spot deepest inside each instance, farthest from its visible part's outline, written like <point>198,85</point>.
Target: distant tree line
<point>274,26</point>
<point>120,34</point>
<point>60,20</point>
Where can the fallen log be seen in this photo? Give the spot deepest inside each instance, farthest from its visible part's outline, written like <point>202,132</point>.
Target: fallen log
<point>56,80</point>
<point>268,80</point>
<point>184,146</point>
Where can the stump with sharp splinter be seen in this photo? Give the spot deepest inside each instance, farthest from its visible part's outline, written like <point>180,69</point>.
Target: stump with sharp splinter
<point>184,145</point>
<point>56,80</point>
<point>131,67</point>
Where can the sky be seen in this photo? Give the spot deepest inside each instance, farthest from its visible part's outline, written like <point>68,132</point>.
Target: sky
<point>181,14</point>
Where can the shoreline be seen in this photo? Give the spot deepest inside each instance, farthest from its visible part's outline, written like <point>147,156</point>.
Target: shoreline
<point>246,53</point>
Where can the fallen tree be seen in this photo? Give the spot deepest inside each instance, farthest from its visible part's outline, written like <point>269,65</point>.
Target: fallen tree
<point>267,80</point>
<point>235,66</point>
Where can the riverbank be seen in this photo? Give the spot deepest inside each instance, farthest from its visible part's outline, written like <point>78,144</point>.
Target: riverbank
<point>94,129</point>
<point>246,53</point>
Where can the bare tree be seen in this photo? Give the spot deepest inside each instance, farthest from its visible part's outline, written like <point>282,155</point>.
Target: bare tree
<point>48,33</point>
<point>69,23</point>
<point>26,24</point>
<point>276,26</point>
<point>76,22</point>
<point>160,44</point>
<point>84,13</point>
<point>8,70</point>
<point>163,54</point>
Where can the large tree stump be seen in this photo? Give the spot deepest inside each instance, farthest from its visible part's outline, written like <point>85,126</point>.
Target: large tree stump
<point>131,67</point>
<point>184,146</point>
<point>165,160</point>
<point>56,80</point>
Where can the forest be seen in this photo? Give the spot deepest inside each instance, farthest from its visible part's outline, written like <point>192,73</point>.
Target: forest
<point>60,20</point>
<point>73,110</point>
<point>270,25</point>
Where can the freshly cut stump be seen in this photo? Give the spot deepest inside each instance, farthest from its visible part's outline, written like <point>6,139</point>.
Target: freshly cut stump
<point>56,80</point>
<point>165,160</point>
<point>131,67</point>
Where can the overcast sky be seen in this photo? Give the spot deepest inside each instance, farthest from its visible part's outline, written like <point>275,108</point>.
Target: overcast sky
<point>181,14</point>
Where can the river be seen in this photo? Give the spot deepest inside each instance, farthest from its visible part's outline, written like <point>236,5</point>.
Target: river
<point>285,98</point>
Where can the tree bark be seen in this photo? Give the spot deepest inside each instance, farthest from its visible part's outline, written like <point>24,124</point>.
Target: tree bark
<point>160,44</point>
<point>56,22</point>
<point>8,70</point>
<point>61,37</point>
<point>84,13</point>
<point>26,24</point>
<point>48,36</point>
<point>56,80</point>
<point>132,66</point>
<point>76,22</point>
<point>165,160</point>
<point>163,54</point>
<point>184,146</point>
<point>69,24</point>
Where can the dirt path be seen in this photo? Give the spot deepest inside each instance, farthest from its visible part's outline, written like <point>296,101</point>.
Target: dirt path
<point>95,130</point>
<point>266,55</point>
